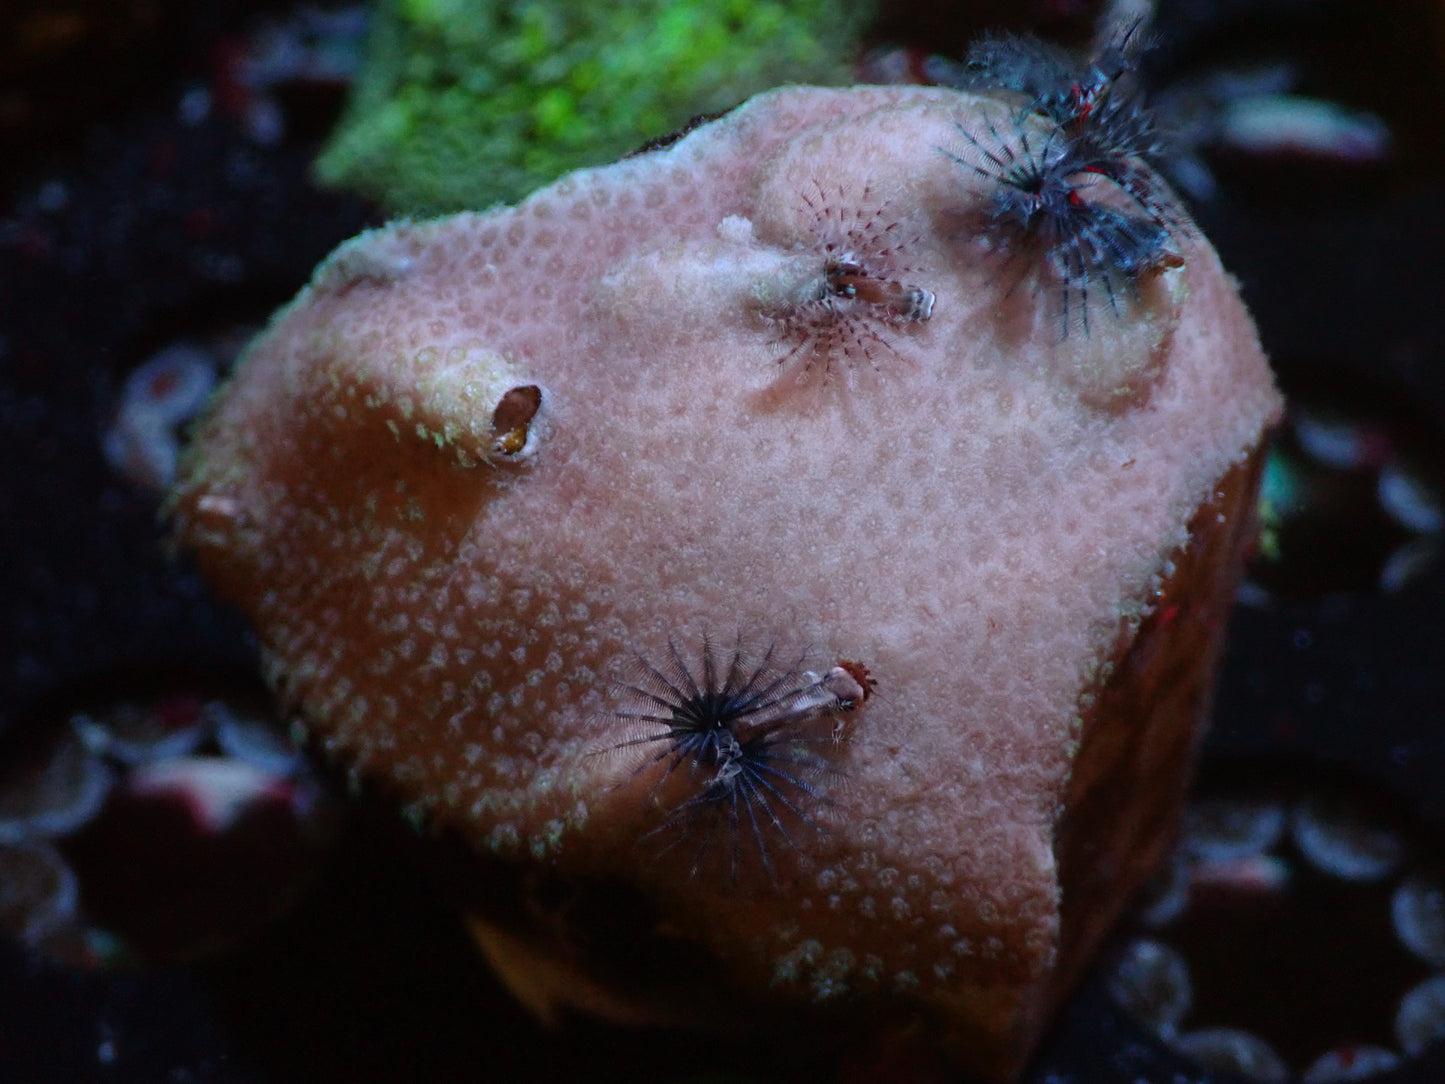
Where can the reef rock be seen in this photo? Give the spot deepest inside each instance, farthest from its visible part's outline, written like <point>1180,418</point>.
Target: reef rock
<point>757,540</point>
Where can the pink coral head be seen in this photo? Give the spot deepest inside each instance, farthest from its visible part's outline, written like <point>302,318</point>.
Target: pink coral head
<point>737,523</point>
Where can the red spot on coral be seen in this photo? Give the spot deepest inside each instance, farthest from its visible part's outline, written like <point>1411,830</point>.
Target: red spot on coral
<point>1285,730</point>
<point>162,156</point>
<point>231,93</point>
<point>859,673</point>
<point>199,222</point>
<point>34,243</point>
<point>162,384</point>
<point>179,711</point>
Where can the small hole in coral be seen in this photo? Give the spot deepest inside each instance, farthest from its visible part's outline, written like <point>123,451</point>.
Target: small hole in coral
<point>513,415</point>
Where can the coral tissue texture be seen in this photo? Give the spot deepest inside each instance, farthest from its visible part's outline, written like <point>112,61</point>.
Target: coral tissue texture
<point>759,529</point>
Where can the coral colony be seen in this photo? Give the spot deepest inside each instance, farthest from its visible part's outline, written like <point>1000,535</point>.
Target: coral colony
<point>773,527</point>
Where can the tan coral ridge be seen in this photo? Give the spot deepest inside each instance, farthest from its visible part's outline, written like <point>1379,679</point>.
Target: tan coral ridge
<point>767,384</point>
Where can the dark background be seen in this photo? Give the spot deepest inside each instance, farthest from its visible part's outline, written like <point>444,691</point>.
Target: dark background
<point>160,230</point>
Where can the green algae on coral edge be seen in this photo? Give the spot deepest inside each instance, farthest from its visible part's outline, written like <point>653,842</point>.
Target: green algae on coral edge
<point>467,103</point>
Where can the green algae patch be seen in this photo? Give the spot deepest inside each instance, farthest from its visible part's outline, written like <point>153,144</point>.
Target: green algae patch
<point>467,103</point>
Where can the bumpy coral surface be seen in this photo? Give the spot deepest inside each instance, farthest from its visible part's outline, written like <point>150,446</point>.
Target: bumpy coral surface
<point>745,524</point>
